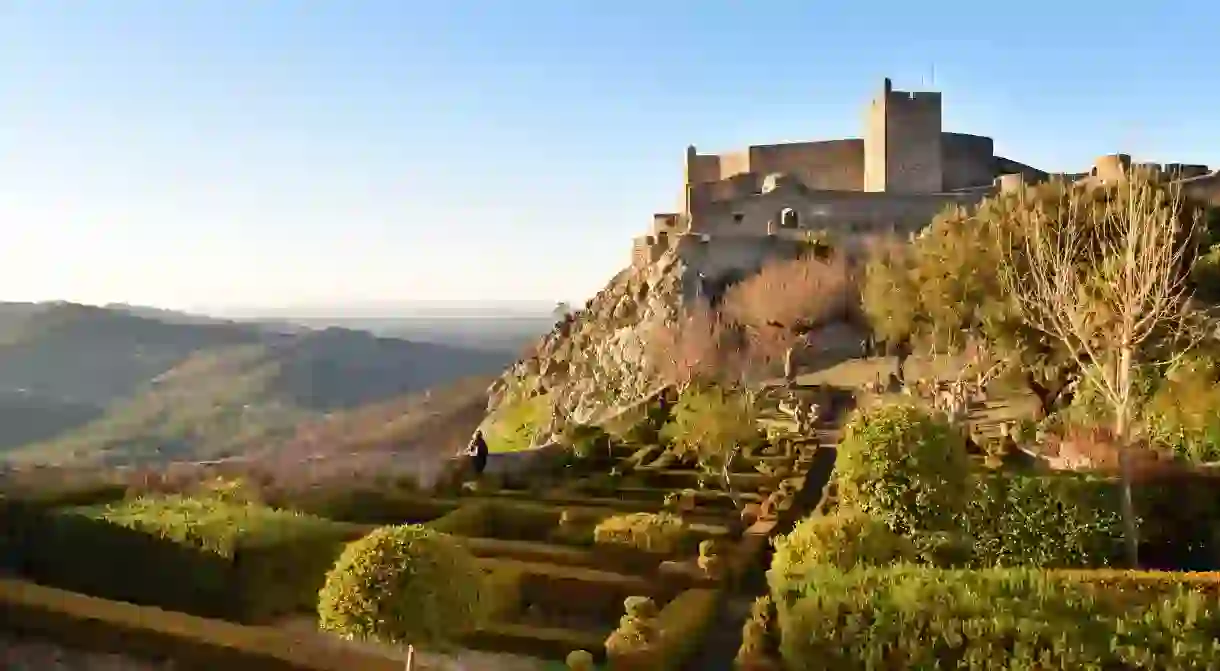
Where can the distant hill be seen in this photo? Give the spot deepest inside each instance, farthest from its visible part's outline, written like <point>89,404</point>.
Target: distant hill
<point>122,384</point>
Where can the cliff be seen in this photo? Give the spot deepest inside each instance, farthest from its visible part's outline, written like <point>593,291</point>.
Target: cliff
<point>595,359</point>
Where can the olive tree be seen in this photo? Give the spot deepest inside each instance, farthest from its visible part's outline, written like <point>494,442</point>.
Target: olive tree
<point>942,293</point>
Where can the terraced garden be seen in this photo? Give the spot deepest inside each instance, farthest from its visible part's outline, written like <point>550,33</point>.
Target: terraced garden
<point>563,548</point>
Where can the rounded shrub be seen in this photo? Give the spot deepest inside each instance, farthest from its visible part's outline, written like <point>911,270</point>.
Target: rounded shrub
<point>905,466</point>
<point>402,584</point>
<point>580,660</point>
<point>638,628</point>
<point>844,540</point>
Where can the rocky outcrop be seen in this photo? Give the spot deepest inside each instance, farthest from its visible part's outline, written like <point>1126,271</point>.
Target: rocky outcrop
<point>594,359</point>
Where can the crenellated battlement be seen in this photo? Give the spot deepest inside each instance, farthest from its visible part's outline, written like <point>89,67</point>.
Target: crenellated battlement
<point>893,180</point>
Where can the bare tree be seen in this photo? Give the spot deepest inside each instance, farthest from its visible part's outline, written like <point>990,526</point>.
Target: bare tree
<point>697,346</point>
<point>1106,275</point>
<point>785,301</point>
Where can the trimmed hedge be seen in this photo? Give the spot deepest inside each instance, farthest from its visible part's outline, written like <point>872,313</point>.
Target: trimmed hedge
<point>503,520</point>
<point>1049,521</point>
<point>661,533</point>
<point>844,540</point>
<point>684,623</point>
<point>203,556</point>
<point>565,592</point>
<point>366,505</point>
<point>915,617</point>
<point>1181,520</point>
<point>193,643</point>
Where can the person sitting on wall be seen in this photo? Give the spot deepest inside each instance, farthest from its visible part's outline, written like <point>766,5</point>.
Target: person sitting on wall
<point>476,453</point>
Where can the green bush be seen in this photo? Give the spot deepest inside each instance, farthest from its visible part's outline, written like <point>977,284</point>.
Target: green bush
<point>905,466</point>
<point>1049,521</point>
<point>846,539</point>
<point>515,425</point>
<point>921,618</point>
<point>403,584</point>
<point>1184,413</point>
<point>662,533</point>
<point>758,635</point>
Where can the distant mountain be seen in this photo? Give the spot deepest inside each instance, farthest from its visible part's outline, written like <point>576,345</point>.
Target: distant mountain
<point>504,333</point>
<point>124,384</point>
<point>163,315</point>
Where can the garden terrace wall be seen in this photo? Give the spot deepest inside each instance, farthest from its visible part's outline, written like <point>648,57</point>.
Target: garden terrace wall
<point>193,643</point>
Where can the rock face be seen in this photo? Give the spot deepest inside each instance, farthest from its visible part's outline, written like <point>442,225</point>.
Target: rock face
<point>594,359</point>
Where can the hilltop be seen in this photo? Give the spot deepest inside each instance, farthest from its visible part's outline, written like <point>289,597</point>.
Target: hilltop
<point>118,385</point>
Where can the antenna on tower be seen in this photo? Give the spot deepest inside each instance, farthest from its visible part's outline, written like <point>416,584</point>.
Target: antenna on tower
<point>932,75</point>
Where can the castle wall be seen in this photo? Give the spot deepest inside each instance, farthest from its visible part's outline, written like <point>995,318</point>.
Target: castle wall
<point>734,163</point>
<point>836,165</point>
<point>727,257</point>
<point>838,212</point>
<point>967,160</point>
<point>1205,188</point>
<point>1007,166</point>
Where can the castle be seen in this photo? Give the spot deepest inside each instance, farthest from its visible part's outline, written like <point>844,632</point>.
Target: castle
<point>740,208</point>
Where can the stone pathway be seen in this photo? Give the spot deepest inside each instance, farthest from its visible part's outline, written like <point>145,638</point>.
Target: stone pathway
<point>723,639</point>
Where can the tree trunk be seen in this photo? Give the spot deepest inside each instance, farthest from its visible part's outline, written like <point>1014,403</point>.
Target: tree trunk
<point>1050,397</point>
<point>902,351</point>
<point>1121,421</point>
<point>727,474</point>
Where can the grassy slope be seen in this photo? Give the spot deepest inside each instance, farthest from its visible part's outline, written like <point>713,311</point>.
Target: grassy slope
<point>154,391</point>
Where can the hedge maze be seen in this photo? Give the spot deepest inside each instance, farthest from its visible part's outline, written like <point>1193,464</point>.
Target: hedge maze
<point>564,549</point>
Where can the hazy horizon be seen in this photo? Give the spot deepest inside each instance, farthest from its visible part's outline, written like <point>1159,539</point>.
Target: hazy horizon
<point>260,156</point>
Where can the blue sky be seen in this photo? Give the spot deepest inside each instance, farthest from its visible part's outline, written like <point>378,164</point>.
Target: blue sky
<point>204,154</point>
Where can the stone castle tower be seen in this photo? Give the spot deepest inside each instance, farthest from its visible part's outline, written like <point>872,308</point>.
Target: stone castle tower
<point>903,150</point>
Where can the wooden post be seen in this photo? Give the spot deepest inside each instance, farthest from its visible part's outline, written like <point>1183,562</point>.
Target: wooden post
<point>410,658</point>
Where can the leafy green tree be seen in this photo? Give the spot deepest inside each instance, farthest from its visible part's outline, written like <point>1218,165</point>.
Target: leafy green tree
<point>712,424</point>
